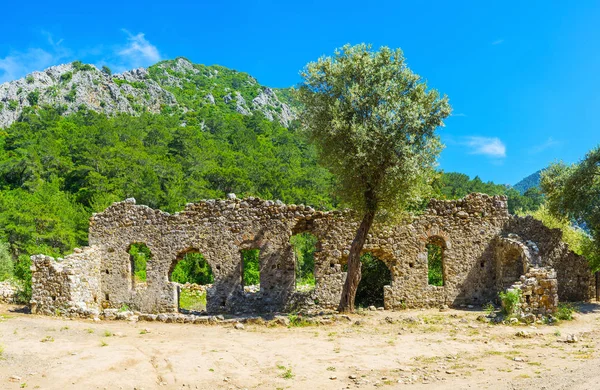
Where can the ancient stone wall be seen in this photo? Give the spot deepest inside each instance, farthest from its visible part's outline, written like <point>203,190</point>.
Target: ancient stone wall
<point>539,292</point>
<point>69,286</point>
<point>575,280</point>
<point>8,292</point>
<point>472,233</point>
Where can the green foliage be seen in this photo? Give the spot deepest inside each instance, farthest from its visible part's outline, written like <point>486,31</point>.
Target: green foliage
<point>373,121</point>
<point>13,104</point>
<point>70,97</point>
<point>79,66</point>
<point>510,301</point>
<point>140,255</point>
<point>106,70</point>
<point>304,246</point>
<point>29,79</point>
<point>193,268</point>
<point>453,185</point>
<point>33,97</point>
<point>435,266</point>
<point>565,311</point>
<point>298,321</point>
<point>66,77</point>
<point>573,193</point>
<point>6,262</point>
<point>1,106</point>
<point>375,275</point>
<point>579,240</point>
<point>250,267</point>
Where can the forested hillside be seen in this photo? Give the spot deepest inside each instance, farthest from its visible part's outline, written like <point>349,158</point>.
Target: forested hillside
<point>531,181</point>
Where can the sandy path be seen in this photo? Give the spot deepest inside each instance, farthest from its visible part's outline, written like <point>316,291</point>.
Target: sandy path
<point>440,350</point>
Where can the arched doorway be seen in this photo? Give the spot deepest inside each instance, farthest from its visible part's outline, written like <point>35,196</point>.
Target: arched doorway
<point>194,277</point>
<point>375,275</point>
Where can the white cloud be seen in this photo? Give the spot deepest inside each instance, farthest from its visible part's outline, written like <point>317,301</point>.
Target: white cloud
<point>549,143</point>
<point>138,52</point>
<point>19,63</point>
<point>488,146</point>
<point>498,42</point>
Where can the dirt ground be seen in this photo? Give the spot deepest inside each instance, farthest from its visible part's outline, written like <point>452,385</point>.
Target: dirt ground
<point>417,349</point>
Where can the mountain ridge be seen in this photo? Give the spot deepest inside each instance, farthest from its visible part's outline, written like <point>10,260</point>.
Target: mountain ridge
<point>175,86</point>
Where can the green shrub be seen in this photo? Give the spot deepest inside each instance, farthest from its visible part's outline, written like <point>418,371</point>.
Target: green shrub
<point>33,97</point>
<point>1,106</point>
<point>6,263</point>
<point>139,255</point>
<point>435,273</point>
<point>80,66</point>
<point>193,268</point>
<point>70,97</point>
<point>22,272</point>
<point>106,70</point>
<point>304,246</point>
<point>510,301</point>
<point>12,105</point>
<point>296,320</point>
<point>66,76</point>
<point>565,311</point>
<point>251,267</point>
<point>29,79</point>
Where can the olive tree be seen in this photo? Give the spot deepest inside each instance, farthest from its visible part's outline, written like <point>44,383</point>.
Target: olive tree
<point>573,192</point>
<point>373,122</point>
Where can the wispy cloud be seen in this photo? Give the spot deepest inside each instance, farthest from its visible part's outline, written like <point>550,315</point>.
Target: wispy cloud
<point>19,63</point>
<point>460,114</point>
<point>498,42</point>
<point>138,51</point>
<point>549,143</point>
<point>488,146</point>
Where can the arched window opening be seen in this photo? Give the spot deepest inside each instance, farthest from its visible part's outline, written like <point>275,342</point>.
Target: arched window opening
<point>512,269</point>
<point>375,276</point>
<point>250,269</point>
<point>304,246</point>
<point>435,262</point>
<point>194,276</point>
<point>139,255</point>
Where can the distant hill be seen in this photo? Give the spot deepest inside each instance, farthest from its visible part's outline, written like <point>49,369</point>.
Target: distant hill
<point>174,87</point>
<point>530,181</point>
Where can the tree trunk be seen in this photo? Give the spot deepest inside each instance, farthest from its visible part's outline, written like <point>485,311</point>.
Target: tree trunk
<point>354,266</point>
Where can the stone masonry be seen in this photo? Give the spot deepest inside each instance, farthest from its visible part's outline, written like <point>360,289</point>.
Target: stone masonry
<point>485,250</point>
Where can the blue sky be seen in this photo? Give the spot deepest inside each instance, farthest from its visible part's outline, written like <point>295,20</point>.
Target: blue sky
<point>523,77</point>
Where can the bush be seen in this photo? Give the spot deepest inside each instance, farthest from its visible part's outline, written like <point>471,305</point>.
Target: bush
<point>140,254</point>
<point>23,273</point>
<point>80,66</point>
<point>106,70</point>
<point>66,76</point>
<point>304,246</point>
<point>12,105</point>
<point>251,267</point>
<point>70,97</point>
<point>193,268</point>
<point>6,263</point>
<point>565,311</point>
<point>510,301</point>
<point>29,79</point>
<point>33,97</point>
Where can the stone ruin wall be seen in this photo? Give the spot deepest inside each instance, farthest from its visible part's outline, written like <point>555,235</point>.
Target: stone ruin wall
<point>8,292</point>
<point>470,230</point>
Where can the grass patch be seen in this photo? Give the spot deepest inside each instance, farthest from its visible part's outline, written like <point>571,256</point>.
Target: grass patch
<point>103,343</point>
<point>296,320</point>
<point>192,300</point>
<point>287,372</point>
<point>47,339</point>
<point>107,333</point>
<point>565,311</point>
